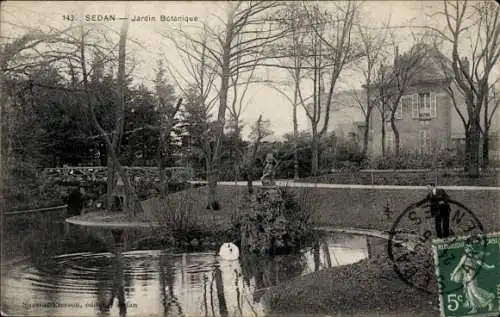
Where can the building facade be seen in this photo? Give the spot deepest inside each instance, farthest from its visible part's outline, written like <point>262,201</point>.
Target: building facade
<point>426,118</point>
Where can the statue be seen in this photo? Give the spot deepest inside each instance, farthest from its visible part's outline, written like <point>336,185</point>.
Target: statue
<point>268,172</point>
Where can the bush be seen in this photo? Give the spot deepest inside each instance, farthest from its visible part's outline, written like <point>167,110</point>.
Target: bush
<point>25,190</point>
<point>176,218</point>
<point>412,160</point>
<point>274,221</point>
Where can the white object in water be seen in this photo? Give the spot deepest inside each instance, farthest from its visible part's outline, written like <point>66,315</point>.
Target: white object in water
<point>229,251</point>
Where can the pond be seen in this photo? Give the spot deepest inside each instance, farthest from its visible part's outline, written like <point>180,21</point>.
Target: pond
<point>142,283</point>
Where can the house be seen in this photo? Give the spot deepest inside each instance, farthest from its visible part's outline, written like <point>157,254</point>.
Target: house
<point>426,118</point>
<point>345,113</point>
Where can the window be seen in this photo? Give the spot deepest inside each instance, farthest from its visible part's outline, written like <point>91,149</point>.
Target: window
<point>424,105</point>
<point>424,142</point>
<point>406,104</point>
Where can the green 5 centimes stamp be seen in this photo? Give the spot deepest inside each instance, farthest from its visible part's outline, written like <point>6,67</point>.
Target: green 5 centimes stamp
<point>468,275</point>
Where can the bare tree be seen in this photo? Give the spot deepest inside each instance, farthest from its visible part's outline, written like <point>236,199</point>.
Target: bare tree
<point>260,130</point>
<point>237,106</point>
<point>290,52</point>
<point>393,83</point>
<point>119,115</point>
<point>133,204</point>
<point>199,86</point>
<point>381,103</point>
<point>331,50</point>
<point>235,49</point>
<point>478,24</point>
<point>167,110</point>
<point>373,46</point>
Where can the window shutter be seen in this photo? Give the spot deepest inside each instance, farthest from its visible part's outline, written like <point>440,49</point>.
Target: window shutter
<point>399,110</point>
<point>433,106</point>
<point>414,106</point>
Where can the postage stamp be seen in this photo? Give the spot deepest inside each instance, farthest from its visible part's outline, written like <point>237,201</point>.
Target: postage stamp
<point>468,275</point>
<point>410,242</point>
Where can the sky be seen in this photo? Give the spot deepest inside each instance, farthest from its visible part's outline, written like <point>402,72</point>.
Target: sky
<point>261,99</point>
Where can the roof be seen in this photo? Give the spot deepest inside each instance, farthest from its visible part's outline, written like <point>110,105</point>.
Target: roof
<point>434,67</point>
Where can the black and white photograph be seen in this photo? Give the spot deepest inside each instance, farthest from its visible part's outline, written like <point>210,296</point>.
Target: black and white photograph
<point>250,158</point>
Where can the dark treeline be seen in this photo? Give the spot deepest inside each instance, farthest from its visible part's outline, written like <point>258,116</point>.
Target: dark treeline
<point>49,127</point>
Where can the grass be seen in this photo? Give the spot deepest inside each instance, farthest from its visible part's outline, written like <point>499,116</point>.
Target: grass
<point>362,208</point>
<point>189,206</point>
<point>442,178</point>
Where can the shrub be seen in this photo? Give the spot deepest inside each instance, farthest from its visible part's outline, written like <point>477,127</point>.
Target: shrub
<point>274,221</point>
<point>24,189</point>
<point>412,160</point>
<point>176,217</point>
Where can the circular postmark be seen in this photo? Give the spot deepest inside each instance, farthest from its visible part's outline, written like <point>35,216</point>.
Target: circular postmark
<point>410,246</point>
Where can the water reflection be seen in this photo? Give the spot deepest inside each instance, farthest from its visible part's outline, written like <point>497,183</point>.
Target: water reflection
<point>114,272</point>
<point>142,283</point>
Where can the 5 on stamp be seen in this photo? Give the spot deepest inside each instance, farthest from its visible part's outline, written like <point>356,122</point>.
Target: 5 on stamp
<point>468,275</point>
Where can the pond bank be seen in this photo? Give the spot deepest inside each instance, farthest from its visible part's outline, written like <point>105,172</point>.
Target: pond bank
<point>366,288</point>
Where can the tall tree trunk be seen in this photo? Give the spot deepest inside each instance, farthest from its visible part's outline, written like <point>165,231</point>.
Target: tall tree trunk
<point>161,167</point>
<point>366,132</point>
<point>164,146</point>
<point>249,176</point>
<point>120,115</point>
<point>296,126</point>
<point>110,181</point>
<point>486,137</point>
<point>315,154</point>
<point>486,149</point>
<point>396,137</point>
<point>161,157</point>
<point>383,136</point>
<point>474,149</point>
<point>467,149</point>
<point>237,153</point>
<point>133,199</point>
<point>3,146</point>
<point>212,178</point>
<point>250,165</point>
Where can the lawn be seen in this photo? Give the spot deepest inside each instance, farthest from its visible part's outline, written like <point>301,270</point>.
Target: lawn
<point>406,177</point>
<point>341,207</point>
